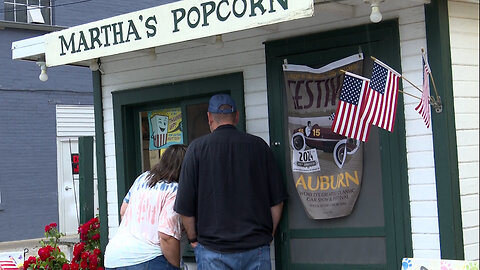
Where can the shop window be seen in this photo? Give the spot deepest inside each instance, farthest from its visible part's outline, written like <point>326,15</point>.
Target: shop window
<point>28,11</point>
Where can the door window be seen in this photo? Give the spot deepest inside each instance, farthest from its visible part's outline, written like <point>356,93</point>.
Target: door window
<point>161,127</point>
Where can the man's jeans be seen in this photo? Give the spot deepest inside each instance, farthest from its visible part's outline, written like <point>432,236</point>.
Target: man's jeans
<point>158,263</point>
<point>254,259</point>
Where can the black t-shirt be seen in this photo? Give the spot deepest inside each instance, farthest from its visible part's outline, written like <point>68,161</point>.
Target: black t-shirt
<point>229,181</point>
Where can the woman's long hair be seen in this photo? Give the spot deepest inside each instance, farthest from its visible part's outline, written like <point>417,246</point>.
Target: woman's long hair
<point>168,168</point>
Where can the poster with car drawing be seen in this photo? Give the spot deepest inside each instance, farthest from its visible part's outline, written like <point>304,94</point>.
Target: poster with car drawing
<point>326,167</point>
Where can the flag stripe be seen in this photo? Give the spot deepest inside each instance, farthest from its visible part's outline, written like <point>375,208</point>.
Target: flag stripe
<point>423,108</point>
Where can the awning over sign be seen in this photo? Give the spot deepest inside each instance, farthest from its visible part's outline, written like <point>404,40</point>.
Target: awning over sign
<point>161,25</point>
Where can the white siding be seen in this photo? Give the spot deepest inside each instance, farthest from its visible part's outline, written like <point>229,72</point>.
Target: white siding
<point>421,165</point>
<point>75,120</point>
<point>464,47</point>
<point>244,52</point>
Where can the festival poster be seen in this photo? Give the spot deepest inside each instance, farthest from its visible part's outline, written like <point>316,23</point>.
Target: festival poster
<point>165,128</point>
<point>326,167</point>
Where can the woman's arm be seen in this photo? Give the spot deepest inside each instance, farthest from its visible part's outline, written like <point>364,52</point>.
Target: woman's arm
<point>170,248</point>
<point>123,208</point>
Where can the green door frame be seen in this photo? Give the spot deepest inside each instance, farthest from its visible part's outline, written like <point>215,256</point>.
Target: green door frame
<point>393,146</point>
<point>125,104</point>
<point>444,132</point>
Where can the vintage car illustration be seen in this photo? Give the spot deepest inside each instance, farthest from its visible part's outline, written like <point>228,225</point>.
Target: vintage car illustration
<point>323,138</point>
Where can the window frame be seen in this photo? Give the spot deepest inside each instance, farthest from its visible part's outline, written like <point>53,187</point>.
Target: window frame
<point>17,5</point>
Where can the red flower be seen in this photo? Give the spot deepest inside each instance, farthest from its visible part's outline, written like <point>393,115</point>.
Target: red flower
<point>78,249</point>
<point>84,264</point>
<point>85,255</point>
<point>96,237</point>
<point>50,227</point>
<point>65,266</point>
<point>44,252</point>
<point>100,268</point>
<point>97,252</point>
<point>92,266</point>
<point>30,260</point>
<point>93,258</point>
<point>74,266</point>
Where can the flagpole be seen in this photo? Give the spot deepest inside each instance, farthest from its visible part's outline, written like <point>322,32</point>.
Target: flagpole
<point>412,84</point>
<point>430,73</point>
<point>408,94</point>
<point>437,104</point>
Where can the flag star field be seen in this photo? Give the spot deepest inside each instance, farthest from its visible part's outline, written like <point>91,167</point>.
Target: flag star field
<point>351,90</point>
<point>379,78</point>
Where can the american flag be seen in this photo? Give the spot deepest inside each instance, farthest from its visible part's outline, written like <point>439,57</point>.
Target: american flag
<point>424,107</point>
<point>7,265</point>
<point>381,100</point>
<point>348,119</point>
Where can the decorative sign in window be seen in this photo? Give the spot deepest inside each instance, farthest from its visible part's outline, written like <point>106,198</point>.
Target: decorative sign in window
<point>165,128</point>
<point>75,163</point>
<point>327,167</point>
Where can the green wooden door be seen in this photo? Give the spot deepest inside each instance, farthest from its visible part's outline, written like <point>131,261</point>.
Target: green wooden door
<point>376,235</point>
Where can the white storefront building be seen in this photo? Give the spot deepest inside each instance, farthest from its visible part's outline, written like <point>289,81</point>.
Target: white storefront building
<point>427,189</point>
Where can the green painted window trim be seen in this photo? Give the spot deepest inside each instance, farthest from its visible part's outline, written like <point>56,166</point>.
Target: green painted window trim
<point>338,232</point>
<point>444,132</point>
<point>126,102</point>
<point>393,146</point>
<point>100,154</point>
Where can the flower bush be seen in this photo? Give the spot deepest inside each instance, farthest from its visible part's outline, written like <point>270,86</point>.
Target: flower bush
<point>86,253</point>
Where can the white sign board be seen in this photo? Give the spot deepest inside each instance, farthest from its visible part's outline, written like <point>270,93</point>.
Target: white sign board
<point>167,24</point>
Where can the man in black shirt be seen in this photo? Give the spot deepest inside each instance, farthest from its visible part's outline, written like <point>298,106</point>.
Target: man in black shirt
<point>230,194</point>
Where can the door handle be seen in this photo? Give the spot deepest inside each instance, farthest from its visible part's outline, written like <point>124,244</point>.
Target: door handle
<point>67,188</point>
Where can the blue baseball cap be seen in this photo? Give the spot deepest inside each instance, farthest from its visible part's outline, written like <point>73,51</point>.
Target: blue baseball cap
<point>218,100</point>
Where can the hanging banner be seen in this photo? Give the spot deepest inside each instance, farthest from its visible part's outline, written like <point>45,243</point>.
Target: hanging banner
<point>165,128</point>
<point>326,167</point>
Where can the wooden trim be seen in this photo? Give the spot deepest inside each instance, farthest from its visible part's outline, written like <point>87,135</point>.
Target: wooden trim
<point>302,266</point>
<point>338,233</point>
<point>444,132</point>
<point>127,102</point>
<point>100,152</point>
<point>86,198</point>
